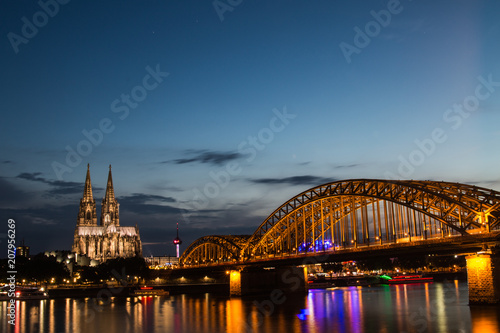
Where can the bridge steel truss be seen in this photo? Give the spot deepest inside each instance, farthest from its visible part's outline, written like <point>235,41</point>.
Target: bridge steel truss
<point>361,212</point>
<point>214,249</point>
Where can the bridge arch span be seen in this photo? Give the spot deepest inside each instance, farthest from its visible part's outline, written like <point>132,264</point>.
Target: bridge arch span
<point>213,249</point>
<point>354,213</point>
<point>360,211</point>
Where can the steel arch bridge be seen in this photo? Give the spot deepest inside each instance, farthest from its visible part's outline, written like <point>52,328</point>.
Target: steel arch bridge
<point>214,249</point>
<point>354,213</point>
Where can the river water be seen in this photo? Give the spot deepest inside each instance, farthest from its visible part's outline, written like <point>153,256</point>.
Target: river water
<point>430,307</point>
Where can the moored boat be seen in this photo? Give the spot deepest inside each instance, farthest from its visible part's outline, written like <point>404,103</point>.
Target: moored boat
<point>23,294</point>
<point>148,291</point>
<point>402,279</point>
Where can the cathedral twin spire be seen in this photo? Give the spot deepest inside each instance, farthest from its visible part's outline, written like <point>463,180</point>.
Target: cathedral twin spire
<point>110,192</point>
<point>87,192</point>
<point>109,207</point>
<point>107,240</point>
<point>87,215</point>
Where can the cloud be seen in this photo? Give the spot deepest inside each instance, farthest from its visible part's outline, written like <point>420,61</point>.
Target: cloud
<point>48,215</point>
<point>31,176</point>
<point>154,243</point>
<point>144,204</point>
<point>347,166</point>
<point>44,228</point>
<point>160,188</point>
<point>59,187</point>
<point>207,157</point>
<point>11,194</point>
<point>7,162</point>
<point>485,183</point>
<point>40,220</point>
<point>143,198</point>
<point>295,180</point>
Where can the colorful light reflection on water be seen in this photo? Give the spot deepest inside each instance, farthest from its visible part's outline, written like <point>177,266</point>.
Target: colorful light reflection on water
<point>435,307</point>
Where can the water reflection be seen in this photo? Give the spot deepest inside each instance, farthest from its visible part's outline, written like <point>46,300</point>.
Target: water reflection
<point>485,319</point>
<point>439,307</point>
<point>436,307</point>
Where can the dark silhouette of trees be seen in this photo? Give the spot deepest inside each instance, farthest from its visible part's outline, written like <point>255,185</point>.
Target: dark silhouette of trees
<point>335,267</point>
<point>409,263</point>
<point>39,268</point>
<point>42,269</point>
<point>122,270</point>
<point>375,264</point>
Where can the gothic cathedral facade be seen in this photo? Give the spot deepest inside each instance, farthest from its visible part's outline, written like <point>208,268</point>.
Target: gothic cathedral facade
<point>107,240</point>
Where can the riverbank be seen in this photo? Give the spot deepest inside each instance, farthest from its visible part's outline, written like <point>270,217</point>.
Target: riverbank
<point>124,291</point>
<point>100,291</point>
<point>371,280</point>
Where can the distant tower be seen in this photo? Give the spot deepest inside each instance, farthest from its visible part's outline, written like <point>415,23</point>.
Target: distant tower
<point>23,250</point>
<point>177,241</point>
<point>110,207</point>
<point>87,215</point>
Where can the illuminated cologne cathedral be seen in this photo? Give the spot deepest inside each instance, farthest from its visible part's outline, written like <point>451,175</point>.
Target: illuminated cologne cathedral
<point>108,239</point>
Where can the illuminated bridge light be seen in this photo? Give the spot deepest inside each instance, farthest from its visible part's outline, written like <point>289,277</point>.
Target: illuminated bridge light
<point>303,314</point>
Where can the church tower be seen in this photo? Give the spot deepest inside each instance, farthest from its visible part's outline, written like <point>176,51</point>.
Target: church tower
<point>108,240</point>
<point>87,216</point>
<point>110,207</point>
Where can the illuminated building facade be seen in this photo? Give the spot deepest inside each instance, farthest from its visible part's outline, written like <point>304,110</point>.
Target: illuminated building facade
<point>23,250</point>
<point>108,239</point>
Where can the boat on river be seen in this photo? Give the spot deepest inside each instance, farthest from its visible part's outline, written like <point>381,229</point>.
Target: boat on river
<point>148,291</point>
<point>402,279</point>
<point>23,294</point>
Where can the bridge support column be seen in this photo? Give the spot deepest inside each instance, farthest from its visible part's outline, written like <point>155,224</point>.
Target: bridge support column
<point>278,281</point>
<point>483,277</point>
<point>235,283</point>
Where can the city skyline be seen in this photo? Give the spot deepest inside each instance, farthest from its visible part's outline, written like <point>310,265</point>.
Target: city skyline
<point>212,115</point>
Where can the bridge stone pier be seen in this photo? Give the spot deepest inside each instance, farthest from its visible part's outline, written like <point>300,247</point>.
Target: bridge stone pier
<point>483,277</point>
<point>277,282</point>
